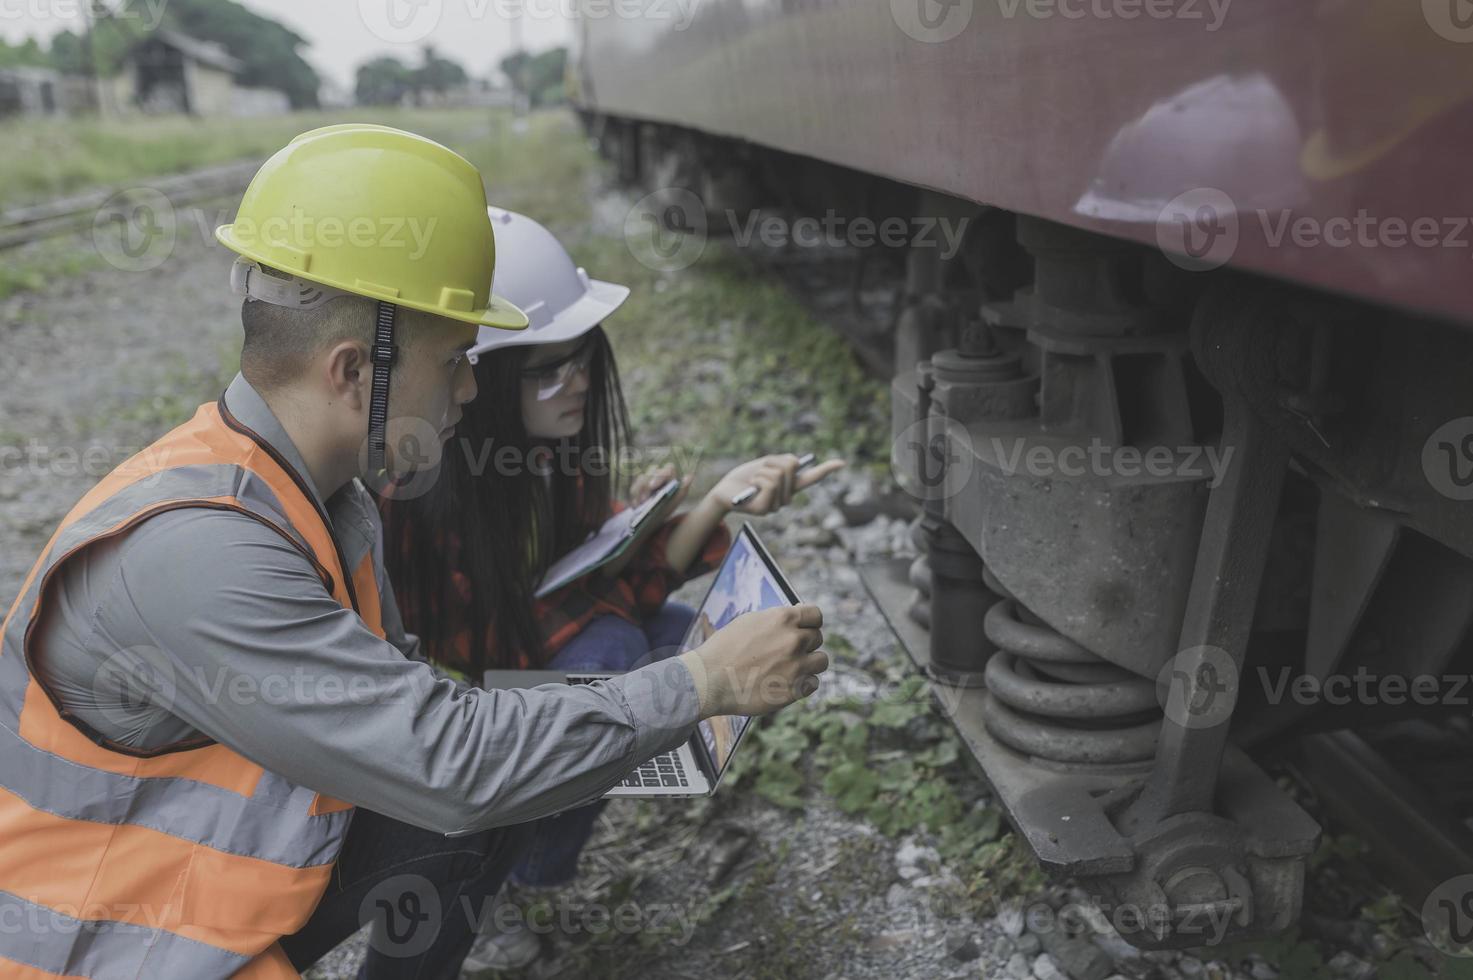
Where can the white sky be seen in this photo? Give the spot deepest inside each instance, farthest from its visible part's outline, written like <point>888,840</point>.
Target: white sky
<point>342,34</point>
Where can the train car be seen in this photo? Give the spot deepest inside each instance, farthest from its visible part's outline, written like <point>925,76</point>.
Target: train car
<point>1188,410</point>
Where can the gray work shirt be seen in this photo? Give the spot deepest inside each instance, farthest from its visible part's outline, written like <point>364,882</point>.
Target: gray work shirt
<point>206,621</point>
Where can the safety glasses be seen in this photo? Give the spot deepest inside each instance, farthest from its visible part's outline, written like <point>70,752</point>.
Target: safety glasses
<point>554,377</point>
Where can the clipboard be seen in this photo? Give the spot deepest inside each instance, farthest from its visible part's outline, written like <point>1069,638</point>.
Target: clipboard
<point>618,535</point>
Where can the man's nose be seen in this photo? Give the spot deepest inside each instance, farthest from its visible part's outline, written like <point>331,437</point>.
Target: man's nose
<point>465,383</point>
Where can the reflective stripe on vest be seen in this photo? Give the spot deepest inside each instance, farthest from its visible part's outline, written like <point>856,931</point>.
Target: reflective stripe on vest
<point>185,861</point>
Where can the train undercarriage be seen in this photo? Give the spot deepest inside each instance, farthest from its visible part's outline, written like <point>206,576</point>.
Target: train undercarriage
<point>1175,527</point>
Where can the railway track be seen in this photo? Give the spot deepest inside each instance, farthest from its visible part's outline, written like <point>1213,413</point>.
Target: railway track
<point>20,226</point>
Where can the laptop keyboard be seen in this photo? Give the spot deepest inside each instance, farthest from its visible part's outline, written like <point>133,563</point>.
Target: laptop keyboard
<point>662,770</point>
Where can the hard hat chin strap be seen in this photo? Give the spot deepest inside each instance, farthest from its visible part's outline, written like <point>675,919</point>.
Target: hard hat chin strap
<point>384,355</point>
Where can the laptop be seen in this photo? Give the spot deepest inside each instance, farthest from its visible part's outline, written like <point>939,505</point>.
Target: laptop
<point>748,580</point>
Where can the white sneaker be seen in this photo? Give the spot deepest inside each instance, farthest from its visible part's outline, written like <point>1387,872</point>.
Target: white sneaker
<point>510,950</point>
<point>501,947</point>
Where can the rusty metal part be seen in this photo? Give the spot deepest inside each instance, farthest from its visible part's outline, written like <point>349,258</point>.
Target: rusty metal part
<point>1271,113</point>
<point>1412,839</point>
<point>1249,858</point>
<point>1359,404</point>
<point>960,649</point>
<point>920,580</point>
<point>1048,743</point>
<point>1055,700</point>
<point>1224,589</point>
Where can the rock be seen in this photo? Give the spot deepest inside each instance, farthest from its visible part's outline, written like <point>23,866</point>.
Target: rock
<point>1018,967</point>
<point>1077,956</point>
<point>961,944</point>
<point>912,853</point>
<point>1028,944</point>
<point>892,939</point>
<point>1002,948</point>
<point>898,896</point>
<point>1044,968</point>
<point>1351,967</point>
<point>1117,948</point>
<point>1259,969</point>
<point>909,872</point>
<point>1218,970</point>
<point>810,537</point>
<point>1189,966</point>
<point>1011,920</point>
<point>726,852</point>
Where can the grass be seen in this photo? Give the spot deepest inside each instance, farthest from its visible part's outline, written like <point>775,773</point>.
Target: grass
<point>47,158</point>
<point>722,361</point>
<point>34,267</point>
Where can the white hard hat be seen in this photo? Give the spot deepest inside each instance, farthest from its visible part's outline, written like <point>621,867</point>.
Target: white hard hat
<point>535,273</point>
<point>1226,132</point>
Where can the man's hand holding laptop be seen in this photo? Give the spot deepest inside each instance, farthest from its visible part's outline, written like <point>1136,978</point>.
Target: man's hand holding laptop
<point>761,662</point>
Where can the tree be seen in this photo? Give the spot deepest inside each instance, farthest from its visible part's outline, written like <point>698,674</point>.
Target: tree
<point>538,78</point>
<point>69,53</point>
<point>267,49</point>
<point>28,53</point>
<point>384,81</point>
<point>437,74</point>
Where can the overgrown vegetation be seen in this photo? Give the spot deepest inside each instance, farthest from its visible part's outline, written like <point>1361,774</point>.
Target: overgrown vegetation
<point>268,51</point>
<point>895,763</point>
<point>49,158</point>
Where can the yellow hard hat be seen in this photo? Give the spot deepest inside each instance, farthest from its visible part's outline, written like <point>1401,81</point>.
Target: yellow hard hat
<point>378,212</point>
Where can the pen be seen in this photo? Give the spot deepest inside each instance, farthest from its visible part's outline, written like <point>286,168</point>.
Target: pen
<point>804,461</point>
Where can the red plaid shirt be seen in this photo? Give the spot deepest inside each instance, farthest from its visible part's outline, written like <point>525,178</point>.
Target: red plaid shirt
<point>638,592</point>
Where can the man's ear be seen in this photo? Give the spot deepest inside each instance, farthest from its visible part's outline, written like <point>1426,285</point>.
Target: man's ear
<point>349,372</point>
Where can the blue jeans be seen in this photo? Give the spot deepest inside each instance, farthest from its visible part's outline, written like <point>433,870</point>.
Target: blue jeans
<point>423,892</point>
<point>607,644</point>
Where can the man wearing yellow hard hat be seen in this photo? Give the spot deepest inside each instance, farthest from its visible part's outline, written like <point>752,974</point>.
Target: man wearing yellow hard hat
<point>222,754</point>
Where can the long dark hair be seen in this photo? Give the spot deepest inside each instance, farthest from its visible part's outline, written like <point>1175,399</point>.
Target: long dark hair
<point>494,517</point>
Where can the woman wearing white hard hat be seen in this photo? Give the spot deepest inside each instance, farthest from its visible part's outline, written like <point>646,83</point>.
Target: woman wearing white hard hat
<point>530,475</point>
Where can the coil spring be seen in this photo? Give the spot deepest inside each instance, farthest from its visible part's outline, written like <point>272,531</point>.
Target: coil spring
<point>1053,699</point>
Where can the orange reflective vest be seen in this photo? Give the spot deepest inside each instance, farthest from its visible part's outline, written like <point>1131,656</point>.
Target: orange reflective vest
<point>187,861</point>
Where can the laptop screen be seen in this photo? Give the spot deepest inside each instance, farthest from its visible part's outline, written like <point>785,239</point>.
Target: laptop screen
<point>747,581</point>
